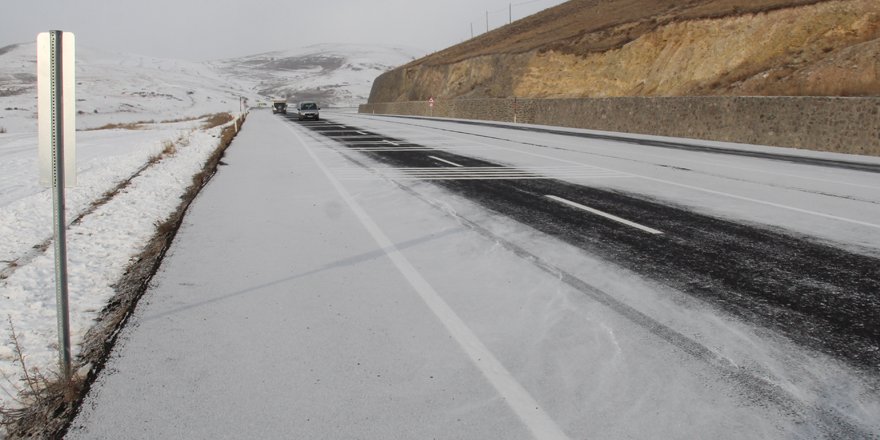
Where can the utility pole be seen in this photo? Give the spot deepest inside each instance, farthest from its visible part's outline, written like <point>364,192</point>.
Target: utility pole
<point>509,13</point>
<point>487,21</point>
<point>472,30</point>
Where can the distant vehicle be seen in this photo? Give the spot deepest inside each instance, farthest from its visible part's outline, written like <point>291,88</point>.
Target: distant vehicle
<point>308,110</point>
<point>279,107</point>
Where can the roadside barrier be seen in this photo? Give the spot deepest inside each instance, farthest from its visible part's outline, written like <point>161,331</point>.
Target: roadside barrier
<point>838,124</point>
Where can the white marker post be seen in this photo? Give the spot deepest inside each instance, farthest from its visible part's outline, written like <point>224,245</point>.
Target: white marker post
<point>56,107</point>
<point>514,109</point>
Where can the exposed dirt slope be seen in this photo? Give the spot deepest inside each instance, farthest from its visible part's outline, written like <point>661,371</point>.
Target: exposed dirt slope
<point>590,48</point>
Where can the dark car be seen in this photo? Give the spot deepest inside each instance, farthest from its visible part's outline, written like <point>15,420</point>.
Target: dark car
<point>279,107</point>
<point>308,110</point>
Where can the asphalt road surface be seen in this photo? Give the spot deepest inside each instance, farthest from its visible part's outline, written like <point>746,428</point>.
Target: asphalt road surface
<point>380,277</point>
<point>822,296</point>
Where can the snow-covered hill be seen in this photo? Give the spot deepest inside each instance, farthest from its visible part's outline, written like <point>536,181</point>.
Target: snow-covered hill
<point>118,88</point>
<point>332,74</point>
<point>123,88</point>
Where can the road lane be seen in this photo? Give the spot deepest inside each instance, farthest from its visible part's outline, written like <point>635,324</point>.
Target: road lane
<point>277,315</point>
<point>741,188</point>
<point>537,421</point>
<point>819,295</point>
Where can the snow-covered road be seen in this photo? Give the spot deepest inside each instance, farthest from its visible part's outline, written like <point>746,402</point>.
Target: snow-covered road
<point>315,292</point>
<point>838,204</point>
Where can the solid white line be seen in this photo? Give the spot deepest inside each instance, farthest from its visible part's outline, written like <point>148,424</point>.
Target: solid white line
<point>445,161</point>
<point>482,178</point>
<point>389,149</point>
<point>468,176</point>
<point>764,202</point>
<point>520,401</point>
<point>392,143</point>
<point>604,214</point>
<point>361,133</point>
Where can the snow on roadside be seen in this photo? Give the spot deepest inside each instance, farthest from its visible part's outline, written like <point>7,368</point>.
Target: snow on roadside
<point>105,158</point>
<point>100,247</point>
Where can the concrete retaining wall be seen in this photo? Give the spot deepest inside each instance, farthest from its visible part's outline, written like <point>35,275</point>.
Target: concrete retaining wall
<point>845,125</point>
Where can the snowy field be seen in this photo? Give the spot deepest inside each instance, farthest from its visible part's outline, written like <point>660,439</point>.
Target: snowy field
<point>100,245</point>
<point>118,88</point>
<point>167,99</point>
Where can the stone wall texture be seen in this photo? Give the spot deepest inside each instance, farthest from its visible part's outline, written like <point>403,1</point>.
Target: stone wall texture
<point>837,124</point>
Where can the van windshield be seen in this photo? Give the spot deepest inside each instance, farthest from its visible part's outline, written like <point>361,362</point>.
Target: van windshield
<point>308,106</point>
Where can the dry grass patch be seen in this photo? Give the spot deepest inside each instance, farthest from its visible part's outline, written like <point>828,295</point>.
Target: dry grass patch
<point>216,120</point>
<point>169,148</point>
<point>122,126</point>
<point>183,119</point>
<point>210,121</point>
<point>46,402</point>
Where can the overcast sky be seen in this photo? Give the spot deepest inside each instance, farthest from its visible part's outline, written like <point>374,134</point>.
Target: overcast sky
<point>210,29</point>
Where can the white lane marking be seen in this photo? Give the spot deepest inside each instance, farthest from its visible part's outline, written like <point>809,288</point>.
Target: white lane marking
<point>764,202</point>
<point>361,133</point>
<point>695,188</point>
<point>367,176</point>
<point>474,173</point>
<point>517,398</point>
<point>604,214</point>
<point>445,161</point>
<point>374,149</point>
<point>392,143</point>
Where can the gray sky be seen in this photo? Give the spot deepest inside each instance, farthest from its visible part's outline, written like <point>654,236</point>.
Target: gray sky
<point>210,29</point>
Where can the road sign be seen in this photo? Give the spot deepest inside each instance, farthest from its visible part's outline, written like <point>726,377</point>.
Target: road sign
<point>45,103</point>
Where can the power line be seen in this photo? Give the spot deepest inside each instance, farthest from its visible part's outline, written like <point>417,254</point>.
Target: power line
<point>510,11</point>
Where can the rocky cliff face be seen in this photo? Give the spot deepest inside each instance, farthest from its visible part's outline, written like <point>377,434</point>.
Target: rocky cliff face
<point>593,48</point>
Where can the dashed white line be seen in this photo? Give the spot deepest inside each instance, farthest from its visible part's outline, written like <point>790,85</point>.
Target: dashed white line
<point>682,185</point>
<point>604,214</point>
<point>445,161</point>
<point>392,143</point>
<point>473,173</point>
